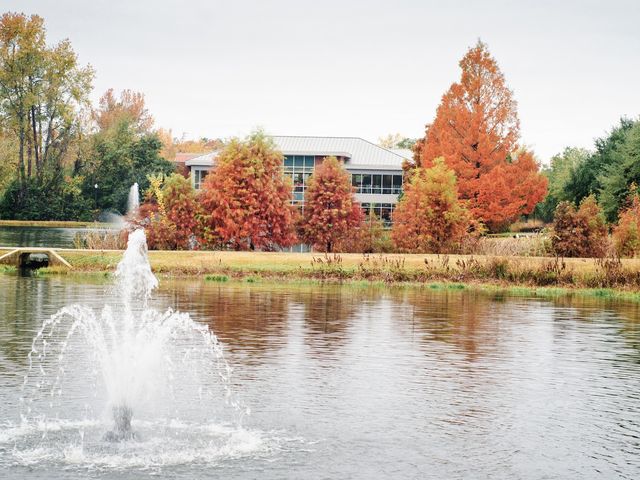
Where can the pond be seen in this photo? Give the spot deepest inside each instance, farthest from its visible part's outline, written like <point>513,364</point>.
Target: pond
<point>354,382</point>
<point>40,236</point>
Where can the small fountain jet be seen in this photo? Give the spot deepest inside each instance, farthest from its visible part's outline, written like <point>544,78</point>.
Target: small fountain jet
<point>122,425</point>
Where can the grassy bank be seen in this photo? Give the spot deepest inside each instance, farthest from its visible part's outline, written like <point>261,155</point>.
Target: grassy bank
<point>51,224</point>
<point>502,272</point>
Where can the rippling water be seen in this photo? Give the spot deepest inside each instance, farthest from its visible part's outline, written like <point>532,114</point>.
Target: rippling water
<point>351,382</point>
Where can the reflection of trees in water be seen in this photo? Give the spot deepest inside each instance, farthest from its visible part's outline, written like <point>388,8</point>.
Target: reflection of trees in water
<point>457,318</point>
<point>245,317</point>
<point>328,311</point>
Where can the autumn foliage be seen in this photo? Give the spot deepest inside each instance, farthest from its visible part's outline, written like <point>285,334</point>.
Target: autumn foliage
<point>626,234</point>
<point>171,214</point>
<point>330,210</point>
<point>128,107</point>
<point>246,200</point>
<point>429,217</point>
<point>580,232</point>
<point>476,130</point>
<point>370,236</point>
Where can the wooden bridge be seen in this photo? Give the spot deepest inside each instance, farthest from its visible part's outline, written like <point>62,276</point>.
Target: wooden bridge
<point>33,256</point>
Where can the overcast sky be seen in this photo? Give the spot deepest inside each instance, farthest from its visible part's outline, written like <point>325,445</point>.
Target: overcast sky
<point>355,68</point>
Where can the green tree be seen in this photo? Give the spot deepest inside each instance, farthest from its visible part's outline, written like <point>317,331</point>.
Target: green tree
<point>586,178</point>
<point>121,157</point>
<point>43,90</point>
<point>619,176</point>
<point>559,174</point>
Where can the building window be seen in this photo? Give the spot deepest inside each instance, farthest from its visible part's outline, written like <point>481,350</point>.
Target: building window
<point>384,211</point>
<point>374,183</point>
<point>198,178</point>
<point>299,168</point>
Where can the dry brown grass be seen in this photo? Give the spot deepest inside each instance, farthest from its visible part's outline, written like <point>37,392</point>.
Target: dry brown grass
<point>523,246</point>
<point>100,240</point>
<point>540,271</point>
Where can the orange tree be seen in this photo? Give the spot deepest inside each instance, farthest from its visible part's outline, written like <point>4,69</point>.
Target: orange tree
<point>429,218</point>
<point>330,210</point>
<point>626,234</point>
<point>476,130</point>
<point>246,200</point>
<point>579,232</point>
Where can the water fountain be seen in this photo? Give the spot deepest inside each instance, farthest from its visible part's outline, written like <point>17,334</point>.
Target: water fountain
<point>129,374</point>
<point>133,202</point>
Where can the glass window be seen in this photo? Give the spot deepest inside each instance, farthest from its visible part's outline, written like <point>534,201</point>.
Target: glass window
<point>385,213</point>
<point>198,178</point>
<point>366,183</point>
<point>356,181</point>
<point>377,184</point>
<point>387,181</point>
<point>308,161</point>
<point>397,183</point>
<point>288,161</point>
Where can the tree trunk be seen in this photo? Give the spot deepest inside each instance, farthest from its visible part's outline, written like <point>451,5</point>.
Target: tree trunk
<point>35,140</point>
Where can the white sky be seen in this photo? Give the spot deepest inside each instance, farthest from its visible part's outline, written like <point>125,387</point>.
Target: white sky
<point>355,68</point>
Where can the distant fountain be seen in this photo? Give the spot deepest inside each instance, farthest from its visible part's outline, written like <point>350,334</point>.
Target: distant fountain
<point>127,362</point>
<point>134,200</point>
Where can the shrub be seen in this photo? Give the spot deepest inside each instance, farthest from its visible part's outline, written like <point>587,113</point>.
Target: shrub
<point>579,232</point>
<point>369,237</point>
<point>626,234</point>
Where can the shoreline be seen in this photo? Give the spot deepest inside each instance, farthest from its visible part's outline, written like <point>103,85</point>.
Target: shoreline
<point>538,276</point>
<point>53,224</point>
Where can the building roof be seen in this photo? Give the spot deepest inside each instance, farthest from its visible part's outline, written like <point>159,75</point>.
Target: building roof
<point>202,160</point>
<point>182,157</point>
<point>359,153</point>
<point>403,152</point>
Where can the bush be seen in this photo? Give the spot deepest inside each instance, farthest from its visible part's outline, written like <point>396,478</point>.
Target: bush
<point>579,232</point>
<point>626,234</point>
<point>369,237</point>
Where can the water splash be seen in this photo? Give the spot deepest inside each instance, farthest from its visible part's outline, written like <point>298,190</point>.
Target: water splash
<point>127,367</point>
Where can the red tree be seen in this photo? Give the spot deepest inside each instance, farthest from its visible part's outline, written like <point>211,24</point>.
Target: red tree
<point>429,218</point>
<point>476,130</point>
<point>330,210</point>
<point>246,201</point>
